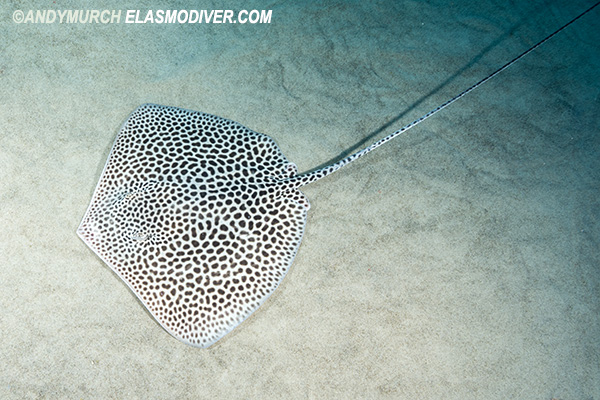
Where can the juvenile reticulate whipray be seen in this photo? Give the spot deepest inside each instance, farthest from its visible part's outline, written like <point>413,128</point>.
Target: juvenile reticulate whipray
<point>202,217</point>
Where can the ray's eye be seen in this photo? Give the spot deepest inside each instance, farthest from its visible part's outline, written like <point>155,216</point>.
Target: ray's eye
<point>140,236</point>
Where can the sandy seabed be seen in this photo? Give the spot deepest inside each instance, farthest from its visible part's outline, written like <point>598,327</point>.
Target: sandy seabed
<point>459,261</point>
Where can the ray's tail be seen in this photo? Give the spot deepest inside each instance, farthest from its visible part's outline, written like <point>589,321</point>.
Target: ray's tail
<point>309,177</point>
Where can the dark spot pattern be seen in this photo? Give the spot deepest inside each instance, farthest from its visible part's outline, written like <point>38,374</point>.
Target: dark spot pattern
<point>196,213</point>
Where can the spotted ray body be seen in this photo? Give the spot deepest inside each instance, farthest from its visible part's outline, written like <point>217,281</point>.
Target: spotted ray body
<point>202,217</point>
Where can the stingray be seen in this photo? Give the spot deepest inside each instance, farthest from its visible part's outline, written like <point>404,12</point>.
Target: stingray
<point>202,217</point>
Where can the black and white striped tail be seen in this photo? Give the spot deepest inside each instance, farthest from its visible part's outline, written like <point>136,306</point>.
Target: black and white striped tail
<point>309,177</point>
